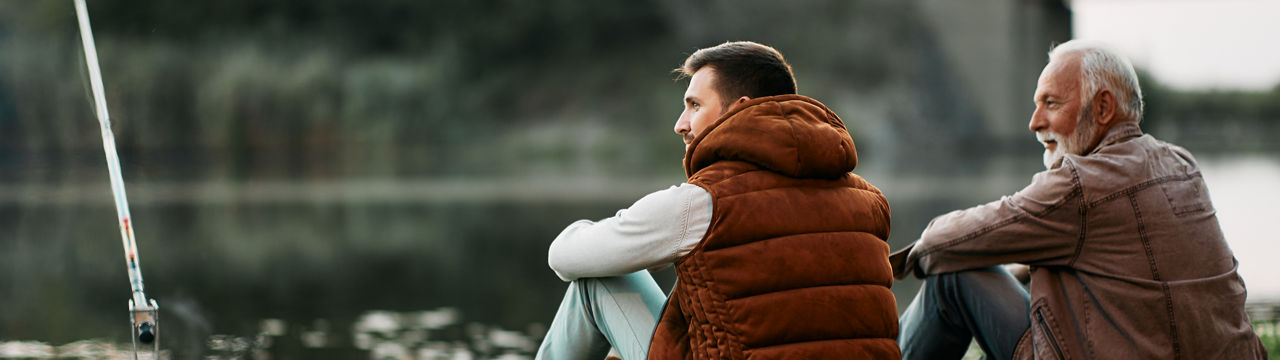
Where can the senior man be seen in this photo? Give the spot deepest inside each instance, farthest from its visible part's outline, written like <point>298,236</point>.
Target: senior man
<point>1127,260</point>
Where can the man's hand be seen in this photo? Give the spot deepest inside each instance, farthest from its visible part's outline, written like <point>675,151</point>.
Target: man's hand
<point>898,261</point>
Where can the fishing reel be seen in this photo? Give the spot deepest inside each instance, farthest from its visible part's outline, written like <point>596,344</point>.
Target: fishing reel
<point>145,323</point>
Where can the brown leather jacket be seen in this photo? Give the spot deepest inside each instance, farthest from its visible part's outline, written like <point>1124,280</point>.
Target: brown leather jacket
<point>794,265</point>
<point>1127,258</point>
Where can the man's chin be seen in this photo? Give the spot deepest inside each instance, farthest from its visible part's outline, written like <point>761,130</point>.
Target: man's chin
<point>1052,160</point>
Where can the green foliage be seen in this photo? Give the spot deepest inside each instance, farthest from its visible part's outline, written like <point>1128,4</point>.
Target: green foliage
<point>1270,337</point>
<point>321,89</point>
<point>321,98</point>
<point>342,88</point>
<point>1202,119</point>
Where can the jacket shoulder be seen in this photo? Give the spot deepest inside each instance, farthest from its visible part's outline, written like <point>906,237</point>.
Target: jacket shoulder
<point>1125,166</point>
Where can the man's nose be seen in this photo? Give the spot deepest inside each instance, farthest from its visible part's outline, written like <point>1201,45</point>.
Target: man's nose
<point>682,126</point>
<point>1038,121</point>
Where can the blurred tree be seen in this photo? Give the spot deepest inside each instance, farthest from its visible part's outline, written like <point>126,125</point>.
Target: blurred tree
<point>241,89</point>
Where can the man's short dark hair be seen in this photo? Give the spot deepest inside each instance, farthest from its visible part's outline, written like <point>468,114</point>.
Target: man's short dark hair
<point>743,68</point>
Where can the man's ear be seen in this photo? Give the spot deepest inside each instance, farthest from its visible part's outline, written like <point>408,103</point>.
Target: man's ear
<point>741,100</point>
<point>1104,107</point>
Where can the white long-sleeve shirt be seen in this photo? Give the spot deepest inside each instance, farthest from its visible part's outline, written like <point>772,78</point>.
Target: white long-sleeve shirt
<point>654,232</point>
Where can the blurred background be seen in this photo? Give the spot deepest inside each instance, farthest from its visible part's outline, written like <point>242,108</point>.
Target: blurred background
<point>336,179</point>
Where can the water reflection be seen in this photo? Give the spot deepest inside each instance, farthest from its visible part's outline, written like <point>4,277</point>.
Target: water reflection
<point>439,334</point>
<point>383,335</point>
<point>433,335</point>
<point>436,334</point>
<point>84,349</point>
<point>348,277</point>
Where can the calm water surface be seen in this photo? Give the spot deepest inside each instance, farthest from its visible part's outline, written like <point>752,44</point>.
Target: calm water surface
<point>396,272</point>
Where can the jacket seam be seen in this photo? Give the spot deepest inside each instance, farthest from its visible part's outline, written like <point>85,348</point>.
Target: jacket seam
<point>698,334</point>
<point>1050,327</point>
<point>710,222</point>
<point>1019,350</point>
<point>1173,323</point>
<point>1084,223</point>
<point>784,187</point>
<point>1142,235</point>
<point>1013,219</point>
<point>720,307</point>
<point>1088,334</point>
<point>1123,136</point>
<point>806,287</point>
<point>795,140</point>
<point>1155,274</point>
<point>684,223</point>
<point>1179,211</point>
<point>705,298</point>
<point>1139,187</point>
<point>755,348</point>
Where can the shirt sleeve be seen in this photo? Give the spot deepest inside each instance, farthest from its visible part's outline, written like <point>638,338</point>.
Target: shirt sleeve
<point>1039,225</point>
<point>655,231</point>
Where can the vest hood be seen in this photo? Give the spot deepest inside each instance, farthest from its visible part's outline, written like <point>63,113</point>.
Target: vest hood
<point>792,135</point>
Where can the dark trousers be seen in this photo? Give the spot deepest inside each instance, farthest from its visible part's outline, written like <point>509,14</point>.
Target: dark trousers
<point>952,309</point>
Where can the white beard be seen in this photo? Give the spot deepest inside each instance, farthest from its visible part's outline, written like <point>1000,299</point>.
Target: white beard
<point>1053,158</point>
<point>1076,144</point>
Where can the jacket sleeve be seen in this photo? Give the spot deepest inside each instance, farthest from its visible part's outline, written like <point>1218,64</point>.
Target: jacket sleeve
<point>1040,225</point>
<point>655,231</point>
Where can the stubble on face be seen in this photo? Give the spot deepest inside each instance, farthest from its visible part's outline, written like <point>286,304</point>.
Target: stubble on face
<point>702,106</point>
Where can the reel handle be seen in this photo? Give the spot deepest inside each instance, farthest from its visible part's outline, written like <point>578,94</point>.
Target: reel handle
<point>146,333</point>
<point>144,323</point>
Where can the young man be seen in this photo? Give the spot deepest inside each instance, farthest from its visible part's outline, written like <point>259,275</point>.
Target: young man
<point>779,250</point>
<point>1127,259</point>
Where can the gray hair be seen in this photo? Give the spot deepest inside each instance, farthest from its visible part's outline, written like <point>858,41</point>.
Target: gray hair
<point>1100,68</point>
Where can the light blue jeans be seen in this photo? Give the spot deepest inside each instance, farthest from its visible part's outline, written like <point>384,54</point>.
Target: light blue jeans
<point>952,309</point>
<point>596,313</point>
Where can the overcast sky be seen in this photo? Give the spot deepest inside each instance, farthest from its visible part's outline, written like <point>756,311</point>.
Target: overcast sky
<point>1190,44</point>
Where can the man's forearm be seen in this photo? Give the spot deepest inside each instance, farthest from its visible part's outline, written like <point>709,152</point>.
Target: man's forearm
<point>1040,224</point>
<point>575,254</point>
<point>655,231</point>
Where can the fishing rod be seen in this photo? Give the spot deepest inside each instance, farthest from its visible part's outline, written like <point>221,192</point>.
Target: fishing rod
<point>144,315</point>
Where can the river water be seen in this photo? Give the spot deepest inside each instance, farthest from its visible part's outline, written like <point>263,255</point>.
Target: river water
<point>432,269</point>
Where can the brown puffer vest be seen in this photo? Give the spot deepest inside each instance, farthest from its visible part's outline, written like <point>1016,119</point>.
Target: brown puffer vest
<point>795,263</point>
